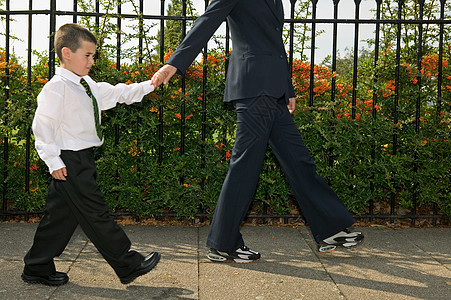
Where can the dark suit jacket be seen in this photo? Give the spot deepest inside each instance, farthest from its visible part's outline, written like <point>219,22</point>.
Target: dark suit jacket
<point>258,63</point>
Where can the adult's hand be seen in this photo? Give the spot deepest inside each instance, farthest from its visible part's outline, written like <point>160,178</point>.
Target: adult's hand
<point>163,75</point>
<point>60,174</point>
<point>291,105</point>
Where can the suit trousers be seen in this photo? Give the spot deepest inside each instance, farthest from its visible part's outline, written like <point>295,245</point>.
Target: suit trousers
<point>78,200</point>
<point>260,121</point>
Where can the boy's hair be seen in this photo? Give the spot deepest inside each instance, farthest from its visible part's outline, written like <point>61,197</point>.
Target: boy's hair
<point>70,36</point>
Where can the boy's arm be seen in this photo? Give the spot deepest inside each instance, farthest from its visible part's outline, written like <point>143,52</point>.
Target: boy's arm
<point>46,124</point>
<point>109,95</point>
<point>45,131</point>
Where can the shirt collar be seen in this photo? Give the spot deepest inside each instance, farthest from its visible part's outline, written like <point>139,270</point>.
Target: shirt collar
<point>69,75</point>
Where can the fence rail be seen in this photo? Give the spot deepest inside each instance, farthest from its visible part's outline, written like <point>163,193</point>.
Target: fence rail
<point>53,14</point>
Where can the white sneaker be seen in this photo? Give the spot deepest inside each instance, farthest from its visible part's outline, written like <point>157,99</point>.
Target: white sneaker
<point>241,255</point>
<point>344,238</point>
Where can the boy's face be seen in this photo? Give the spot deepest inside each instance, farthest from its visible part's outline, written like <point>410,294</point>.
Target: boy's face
<point>80,61</point>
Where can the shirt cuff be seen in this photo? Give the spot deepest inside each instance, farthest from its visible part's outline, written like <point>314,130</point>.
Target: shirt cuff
<point>54,164</point>
<point>147,87</point>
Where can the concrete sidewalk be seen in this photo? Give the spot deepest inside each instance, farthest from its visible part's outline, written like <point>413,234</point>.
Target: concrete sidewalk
<point>390,264</point>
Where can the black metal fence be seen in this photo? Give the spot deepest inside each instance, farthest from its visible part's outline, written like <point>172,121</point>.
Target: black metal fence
<point>52,14</point>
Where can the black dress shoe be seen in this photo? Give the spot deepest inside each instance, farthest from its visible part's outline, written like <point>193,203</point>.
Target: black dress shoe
<point>56,279</point>
<point>150,261</point>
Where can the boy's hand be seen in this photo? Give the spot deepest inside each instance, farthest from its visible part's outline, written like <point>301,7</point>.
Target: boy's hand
<point>163,75</point>
<point>60,174</point>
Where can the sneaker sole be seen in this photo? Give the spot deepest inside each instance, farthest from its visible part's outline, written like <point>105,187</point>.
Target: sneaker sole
<point>244,261</point>
<point>327,248</point>
<point>216,258</point>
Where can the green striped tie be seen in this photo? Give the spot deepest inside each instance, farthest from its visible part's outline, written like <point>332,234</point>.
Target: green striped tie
<point>96,108</point>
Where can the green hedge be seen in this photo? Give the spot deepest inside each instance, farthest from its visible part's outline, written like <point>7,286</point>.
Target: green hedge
<point>353,148</point>
<point>355,155</point>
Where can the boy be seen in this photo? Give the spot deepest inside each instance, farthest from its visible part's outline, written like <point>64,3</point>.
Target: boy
<point>67,129</point>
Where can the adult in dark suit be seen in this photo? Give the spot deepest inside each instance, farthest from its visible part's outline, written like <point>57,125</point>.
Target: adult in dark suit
<point>259,85</point>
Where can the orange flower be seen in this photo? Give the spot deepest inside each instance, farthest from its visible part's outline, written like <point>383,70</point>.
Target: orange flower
<point>321,88</point>
<point>429,65</point>
<point>228,155</point>
<point>389,88</point>
<point>212,59</point>
<point>390,85</point>
<point>133,148</point>
<point>43,81</point>
<point>345,115</point>
<point>168,54</point>
<point>33,168</point>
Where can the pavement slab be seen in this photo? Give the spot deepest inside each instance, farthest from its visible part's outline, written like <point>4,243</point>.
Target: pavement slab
<point>387,265</point>
<point>434,241</point>
<point>175,275</point>
<point>413,263</point>
<point>287,270</point>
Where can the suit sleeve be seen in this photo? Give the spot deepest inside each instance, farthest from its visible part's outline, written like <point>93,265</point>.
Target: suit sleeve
<point>204,27</point>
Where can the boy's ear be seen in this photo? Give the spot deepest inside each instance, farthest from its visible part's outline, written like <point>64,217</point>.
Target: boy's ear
<point>66,52</point>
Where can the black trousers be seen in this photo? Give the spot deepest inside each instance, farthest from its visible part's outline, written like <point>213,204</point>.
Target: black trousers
<point>260,121</point>
<point>78,200</point>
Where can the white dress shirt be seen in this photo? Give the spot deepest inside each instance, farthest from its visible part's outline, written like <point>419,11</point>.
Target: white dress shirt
<point>64,118</point>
